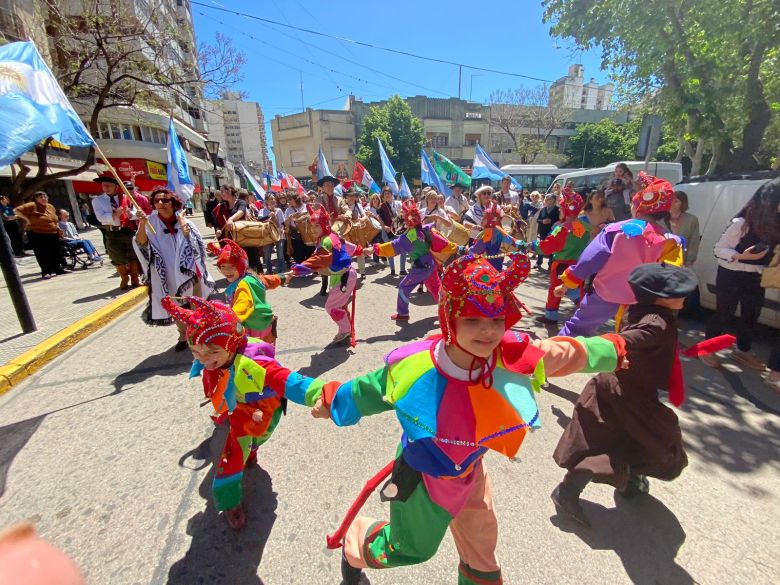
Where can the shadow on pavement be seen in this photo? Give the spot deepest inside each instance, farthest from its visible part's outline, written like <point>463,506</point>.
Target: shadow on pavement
<point>218,554</point>
<point>111,294</point>
<point>13,438</point>
<point>168,363</point>
<point>569,395</point>
<point>407,331</point>
<point>644,533</point>
<point>326,360</point>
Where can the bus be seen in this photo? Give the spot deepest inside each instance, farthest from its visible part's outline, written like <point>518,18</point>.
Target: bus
<point>534,177</point>
<point>586,179</point>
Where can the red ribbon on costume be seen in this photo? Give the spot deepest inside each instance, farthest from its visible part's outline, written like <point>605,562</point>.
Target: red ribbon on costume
<point>352,340</point>
<point>676,382</point>
<point>336,539</point>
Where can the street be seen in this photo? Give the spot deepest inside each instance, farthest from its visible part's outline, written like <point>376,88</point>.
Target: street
<point>109,450</point>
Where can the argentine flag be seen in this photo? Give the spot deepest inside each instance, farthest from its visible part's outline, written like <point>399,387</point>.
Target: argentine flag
<point>388,172</point>
<point>485,167</point>
<point>178,168</point>
<point>32,104</point>
<point>404,192</point>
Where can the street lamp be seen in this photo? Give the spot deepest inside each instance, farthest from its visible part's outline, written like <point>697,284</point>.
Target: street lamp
<point>212,147</point>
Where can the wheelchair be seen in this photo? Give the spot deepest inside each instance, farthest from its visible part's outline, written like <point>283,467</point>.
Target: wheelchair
<point>74,256</point>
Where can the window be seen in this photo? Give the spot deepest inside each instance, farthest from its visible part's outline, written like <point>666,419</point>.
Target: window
<point>297,158</point>
<point>472,139</point>
<point>438,139</point>
<point>127,132</point>
<point>136,133</point>
<point>339,154</point>
<point>103,130</point>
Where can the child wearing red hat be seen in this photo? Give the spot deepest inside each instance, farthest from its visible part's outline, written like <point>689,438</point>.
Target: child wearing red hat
<point>566,242</point>
<point>493,240</point>
<point>456,395</point>
<point>616,251</point>
<point>221,348</point>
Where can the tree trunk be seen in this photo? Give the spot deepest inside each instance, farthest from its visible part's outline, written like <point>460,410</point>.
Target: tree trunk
<point>697,158</point>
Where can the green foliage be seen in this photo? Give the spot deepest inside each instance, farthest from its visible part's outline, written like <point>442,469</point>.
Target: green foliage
<point>401,133</point>
<point>605,142</point>
<point>711,65</point>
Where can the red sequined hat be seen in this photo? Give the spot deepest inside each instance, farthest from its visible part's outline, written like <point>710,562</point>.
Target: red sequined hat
<point>472,287</point>
<point>412,217</point>
<point>656,196</point>
<point>321,218</point>
<point>210,322</point>
<point>570,202</point>
<point>492,216</point>
<point>228,252</point>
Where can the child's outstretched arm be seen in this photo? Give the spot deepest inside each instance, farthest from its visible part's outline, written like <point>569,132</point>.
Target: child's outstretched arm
<point>344,402</point>
<point>568,355</point>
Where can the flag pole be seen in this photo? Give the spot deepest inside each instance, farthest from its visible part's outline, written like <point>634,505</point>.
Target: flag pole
<point>122,184</point>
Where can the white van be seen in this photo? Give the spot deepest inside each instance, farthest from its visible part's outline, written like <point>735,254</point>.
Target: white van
<point>716,203</point>
<point>596,178</point>
<point>534,177</point>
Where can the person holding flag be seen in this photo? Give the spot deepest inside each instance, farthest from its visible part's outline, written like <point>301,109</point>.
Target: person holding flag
<point>364,178</point>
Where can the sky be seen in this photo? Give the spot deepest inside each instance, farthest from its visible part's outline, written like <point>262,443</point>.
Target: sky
<point>503,35</point>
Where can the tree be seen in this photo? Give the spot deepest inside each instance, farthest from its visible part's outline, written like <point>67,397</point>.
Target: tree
<point>401,133</point>
<point>605,142</point>
<point>112,53</point>
<point>527,118</point>
<point>707,63</point>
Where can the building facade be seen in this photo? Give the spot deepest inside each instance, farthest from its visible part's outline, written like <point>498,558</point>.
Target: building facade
<point>574,93</point>
<point>239,127</point>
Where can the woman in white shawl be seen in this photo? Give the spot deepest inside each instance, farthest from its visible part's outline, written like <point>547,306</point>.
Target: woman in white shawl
<point>173,259</point>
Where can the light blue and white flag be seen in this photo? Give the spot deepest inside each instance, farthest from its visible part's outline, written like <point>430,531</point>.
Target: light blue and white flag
<point>322,166</point>
<point>32,104</point>
<point>388,172</point>
<point>485,167</point>
<point>404,192</point>
<point>256,187</point>
<point>428,175</point>
<point>178,168</point>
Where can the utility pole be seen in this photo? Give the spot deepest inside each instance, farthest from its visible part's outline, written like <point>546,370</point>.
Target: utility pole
<point>460,74</point>
<point>15,288</point>
<point>303,109</point>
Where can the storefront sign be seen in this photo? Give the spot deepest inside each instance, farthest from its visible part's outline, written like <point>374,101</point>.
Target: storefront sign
<point>156,171</point>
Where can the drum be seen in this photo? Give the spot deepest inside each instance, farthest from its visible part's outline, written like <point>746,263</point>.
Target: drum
<point>458,234</point>
<point>303,223</point>
<point>507,222</point>
<point>398,226</point>
<point>364,231</point>
<point>255,234</point>
<point>343,227</point>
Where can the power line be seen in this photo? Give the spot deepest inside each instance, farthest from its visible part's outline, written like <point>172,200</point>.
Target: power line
<point>371,46</point>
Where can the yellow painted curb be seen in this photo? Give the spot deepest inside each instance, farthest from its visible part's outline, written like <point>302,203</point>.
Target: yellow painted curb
<point>18,368</point>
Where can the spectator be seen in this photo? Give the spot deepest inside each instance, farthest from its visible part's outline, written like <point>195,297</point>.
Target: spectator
<point>71,235</point>
<point>173,259</point>
<point>276,215</point>
<point>208,209</point>
<point>387,214</point>
<point>506,195</point>
<point>548,216</point>
<point>686,225</point>
<point>12,228</point>
<point>597,212</point>
<point>298,249</point>
<point>619,191</point>
<point>457,203</point>
<point>40,220</point>
<point>743,251</point>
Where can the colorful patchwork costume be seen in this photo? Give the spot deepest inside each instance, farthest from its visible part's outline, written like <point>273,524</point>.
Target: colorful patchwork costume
<point>615,252</point>
<point>493,241</point>
<point>253,411</point>
<point>426,248</point>
<point>450,418</point>
<point>246,294</point>
<point>566,242</point>
<point>333,257</point>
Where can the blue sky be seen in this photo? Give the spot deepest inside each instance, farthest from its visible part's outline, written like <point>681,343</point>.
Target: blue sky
<point>504,35</point>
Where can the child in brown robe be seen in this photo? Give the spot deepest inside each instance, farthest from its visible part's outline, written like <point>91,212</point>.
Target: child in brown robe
<point>620,431</point>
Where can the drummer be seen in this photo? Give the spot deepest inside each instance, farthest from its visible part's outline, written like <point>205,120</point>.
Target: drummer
<point>432,213</point>
<point>356,214</point>
<point>387,215</point>
<point>299,250</point>
<point>334,205</point>
<point>457,203</point>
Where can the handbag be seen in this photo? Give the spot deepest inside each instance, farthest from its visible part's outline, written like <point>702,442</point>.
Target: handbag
<point>770,276</point>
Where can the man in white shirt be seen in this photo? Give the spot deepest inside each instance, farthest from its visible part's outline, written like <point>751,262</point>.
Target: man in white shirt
<point>456,203</point>
<point>508,195</point>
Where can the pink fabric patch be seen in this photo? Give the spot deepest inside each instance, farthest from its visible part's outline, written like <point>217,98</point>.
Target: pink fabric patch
<point>455,421</point>
<point>451,494</point>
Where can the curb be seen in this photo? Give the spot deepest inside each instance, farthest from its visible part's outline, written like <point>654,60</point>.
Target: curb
<point>20,367</point>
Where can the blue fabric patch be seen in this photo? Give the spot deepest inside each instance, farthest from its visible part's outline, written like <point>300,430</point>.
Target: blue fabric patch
<point>220,481</point>
<point>426,457</point>
<point>196,369</point>
<point>633,227</point>
<point>296,386</point>
<point>343,409</point>
<point>417,410</point>
<point>230,390</point>
<point>518,393</point>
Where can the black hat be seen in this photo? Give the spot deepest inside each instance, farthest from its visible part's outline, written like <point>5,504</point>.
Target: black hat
<point>129,185</point>
<point>459,184</point>
<point>106,179</point>
<point>326,179</point>
<point>662,281</point>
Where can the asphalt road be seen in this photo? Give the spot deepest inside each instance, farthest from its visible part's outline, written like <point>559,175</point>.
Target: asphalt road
<point>109,450</point>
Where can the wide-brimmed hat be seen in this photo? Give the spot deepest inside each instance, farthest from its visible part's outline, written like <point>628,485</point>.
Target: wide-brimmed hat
<point>326,179</point>
<point>484,189</point>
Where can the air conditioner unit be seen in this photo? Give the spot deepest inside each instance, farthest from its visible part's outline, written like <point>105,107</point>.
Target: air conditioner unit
<point>351,151</point>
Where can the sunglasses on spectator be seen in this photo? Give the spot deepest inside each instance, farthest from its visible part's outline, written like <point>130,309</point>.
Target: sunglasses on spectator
<point>163,200</point>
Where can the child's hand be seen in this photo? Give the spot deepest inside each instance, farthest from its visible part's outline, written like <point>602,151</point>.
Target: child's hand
<point>320,410</point>
<point>257,416</point>
<point>559,291</point>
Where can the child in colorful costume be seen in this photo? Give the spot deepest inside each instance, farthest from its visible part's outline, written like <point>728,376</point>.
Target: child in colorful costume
<point>566,242</point>
<point>220,345</point>
<point>333,258</point>
<point>456,395</point>
<point>246,291</point>
<point>620,431</point>
<point>493,241</point>
<point>616,251</point>
<point>420,243</point>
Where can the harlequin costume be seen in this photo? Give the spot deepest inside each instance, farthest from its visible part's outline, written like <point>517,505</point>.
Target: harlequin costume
<point>253,410</point>
<point>450,418</point>
<point>246,294</point>
<point>615,252</point>
<point>425,247</point>
<point>333,258</point>
<point>566,242</point>
<point>620,431</point>
<point>493,241</point>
